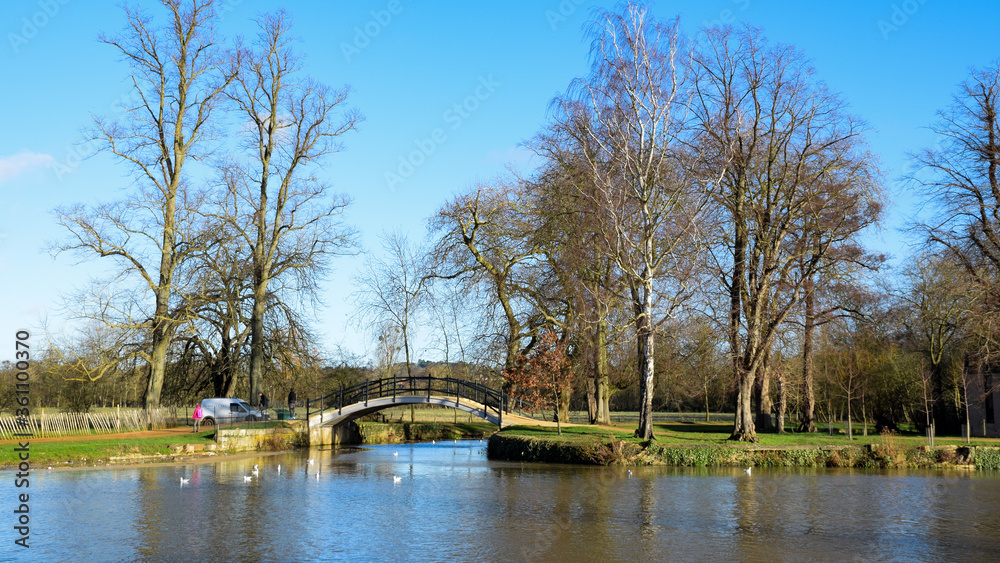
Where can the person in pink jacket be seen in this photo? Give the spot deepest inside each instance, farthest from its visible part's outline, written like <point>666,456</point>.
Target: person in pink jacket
<point>198,415</point>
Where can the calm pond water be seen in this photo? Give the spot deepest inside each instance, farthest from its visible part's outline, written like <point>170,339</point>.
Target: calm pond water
<point>450,503</point>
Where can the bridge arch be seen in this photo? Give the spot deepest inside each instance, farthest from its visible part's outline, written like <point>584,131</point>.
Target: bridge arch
<point>332,411</point>
<point>357,410</point>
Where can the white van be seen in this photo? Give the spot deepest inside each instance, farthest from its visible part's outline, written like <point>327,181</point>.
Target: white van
<point>229,411</point>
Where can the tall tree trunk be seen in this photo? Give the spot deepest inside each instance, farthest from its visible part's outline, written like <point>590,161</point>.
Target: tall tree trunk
<point>594,383</point>
<point>864,417</point>
<point>261,271</point>
<point>513,326</point>
<point>645,342</point>
<point>229,389</point>
<point>601,373</point>
<point>157,365</point>
<point>162,324</point>
<point>592,400</point>
<point>556,416</point>
<point>743,427</point>
<point>743,424</point>
<point>406,352</point>
<point>762,391</point>
<point>939,397</point>
<point>848,427</point>
<point>808,423</point>
<point>220,365</point>
<point>782,401</point>
<point>257,341</point>
<point>708,416</point>
<point>563,398</point>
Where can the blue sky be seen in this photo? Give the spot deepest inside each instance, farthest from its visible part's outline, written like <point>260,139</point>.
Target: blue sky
<point>409,64</point>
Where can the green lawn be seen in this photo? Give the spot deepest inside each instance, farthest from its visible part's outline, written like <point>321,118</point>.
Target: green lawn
<point>88,452</point>
<point>691,434</point>
<point>707,444</point>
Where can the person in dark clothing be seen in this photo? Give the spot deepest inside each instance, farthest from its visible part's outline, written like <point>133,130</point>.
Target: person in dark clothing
<point>291,403</point>
<point>263,402</point>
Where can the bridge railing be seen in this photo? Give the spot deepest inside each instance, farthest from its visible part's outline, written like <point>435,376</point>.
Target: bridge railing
<point>495,402</point>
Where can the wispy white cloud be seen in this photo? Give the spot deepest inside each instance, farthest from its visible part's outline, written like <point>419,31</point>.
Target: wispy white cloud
<point>21,163</point>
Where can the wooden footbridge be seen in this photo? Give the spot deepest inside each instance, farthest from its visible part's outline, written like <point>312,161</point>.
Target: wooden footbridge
<point>327,414</point>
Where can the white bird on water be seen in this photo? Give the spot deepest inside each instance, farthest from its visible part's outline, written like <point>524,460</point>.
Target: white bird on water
<point>629,472</point>
<point>185,481</point>
<point>396,480</point>
<point>748,470</point>
<point>247,478</point>
<point>279,469</point>
<point>255,470</point>
<point>309,461</point>
<point>395,453</point>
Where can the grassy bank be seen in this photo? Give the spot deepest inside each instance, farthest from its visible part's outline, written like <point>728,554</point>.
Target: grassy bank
<point>98,451</point>
<point>140,447</point>
<point>686,444</point>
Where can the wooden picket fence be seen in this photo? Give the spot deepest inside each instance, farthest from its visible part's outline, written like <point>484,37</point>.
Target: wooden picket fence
<point>44,425</point>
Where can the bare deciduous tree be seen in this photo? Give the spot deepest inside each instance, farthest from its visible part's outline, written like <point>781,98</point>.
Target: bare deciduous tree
<point>391,291</point>
<point>941,303</point>
<point>961,176</point>
<point>178,76</point>
<point>291,225</point>
<point>789,153</point>
<point>827,293</point>
<point>487,238</point>
<point>960,179</point>
<point>222,326</point>
<point>389,342</point>
<point>627,119</point>
<point>589,285</point>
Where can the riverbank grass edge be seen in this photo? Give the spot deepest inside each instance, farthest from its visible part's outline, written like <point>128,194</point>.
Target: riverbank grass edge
<point>704,445</point>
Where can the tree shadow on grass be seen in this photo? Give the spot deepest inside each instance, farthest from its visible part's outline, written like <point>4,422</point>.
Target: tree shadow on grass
<point>704,428</point>
<point>693,432</point>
